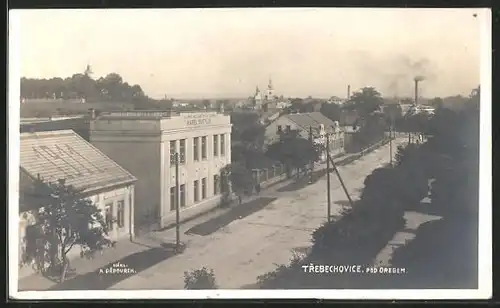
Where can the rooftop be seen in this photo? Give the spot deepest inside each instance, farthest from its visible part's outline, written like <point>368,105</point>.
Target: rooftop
<point>314,119</point>
<point>151,114</point>
<point>65,155</point>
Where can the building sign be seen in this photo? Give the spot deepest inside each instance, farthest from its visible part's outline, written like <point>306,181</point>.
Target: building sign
<point>196,119</point>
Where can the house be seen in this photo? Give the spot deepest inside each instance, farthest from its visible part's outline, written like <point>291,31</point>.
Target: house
<point>146,143</point>
<point>55,155</point>
<point>303,123</point>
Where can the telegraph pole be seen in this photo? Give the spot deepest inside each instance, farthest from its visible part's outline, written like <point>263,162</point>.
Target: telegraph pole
<point>311,164</point>
<point>390,138</point>
<point>328,176</point>
<point>177,205</point>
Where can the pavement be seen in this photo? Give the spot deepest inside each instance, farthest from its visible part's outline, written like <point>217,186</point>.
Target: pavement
<point>239,243</point>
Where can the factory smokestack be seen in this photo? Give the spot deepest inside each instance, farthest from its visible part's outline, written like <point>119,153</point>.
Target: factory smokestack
<point>348,91</point>
<point>416,91</point>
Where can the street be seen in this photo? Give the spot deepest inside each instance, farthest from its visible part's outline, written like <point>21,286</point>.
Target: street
<point>256,243</point>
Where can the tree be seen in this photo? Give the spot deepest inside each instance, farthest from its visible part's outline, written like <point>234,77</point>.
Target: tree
<point>366,101</point>
<point>241,181</point>
<point>293,151</point>
<point>299,105</point>
<point>331,111</point>
<point>436,102</point>
<point>474,99</point>
<point>253,137</point>
<point>202,279</point>
<point>66,218</point>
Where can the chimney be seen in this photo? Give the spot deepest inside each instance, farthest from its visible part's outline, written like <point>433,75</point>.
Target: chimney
<point>349,91</point>
<point>416,91</point>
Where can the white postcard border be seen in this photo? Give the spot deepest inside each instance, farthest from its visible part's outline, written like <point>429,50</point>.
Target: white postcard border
<point>485,208</point>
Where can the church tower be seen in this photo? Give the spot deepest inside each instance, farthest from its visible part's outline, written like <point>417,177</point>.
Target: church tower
<point>257,99</point>
<point>270,90</point>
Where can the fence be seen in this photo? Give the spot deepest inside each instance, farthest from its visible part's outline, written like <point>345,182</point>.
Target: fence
<point>268,176</point>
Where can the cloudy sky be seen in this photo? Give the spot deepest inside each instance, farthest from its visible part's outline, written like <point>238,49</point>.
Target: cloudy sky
<point>227,52</point>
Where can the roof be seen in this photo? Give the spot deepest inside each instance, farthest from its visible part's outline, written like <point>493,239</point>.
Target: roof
<point>304,120</point>
<point>65,155</point>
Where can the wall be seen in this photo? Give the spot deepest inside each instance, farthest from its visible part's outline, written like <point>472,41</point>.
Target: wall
<point>80,125</point>
<point>135,147</point>
<point>271,134</point>
<point>193,170</point>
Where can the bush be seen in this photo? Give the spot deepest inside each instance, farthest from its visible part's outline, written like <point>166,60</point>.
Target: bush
<point>201,279</point>
<point>279,275</point>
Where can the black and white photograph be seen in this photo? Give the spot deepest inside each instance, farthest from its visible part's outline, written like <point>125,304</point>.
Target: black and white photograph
<point>334,153</point>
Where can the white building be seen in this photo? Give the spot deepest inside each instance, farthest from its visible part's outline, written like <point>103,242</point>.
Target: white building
<point>63,154</point>
<point>145,142</point>
<point>302,122</point>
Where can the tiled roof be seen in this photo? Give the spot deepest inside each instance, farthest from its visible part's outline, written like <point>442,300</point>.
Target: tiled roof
<point>314,119</point>
<point>65,155</point>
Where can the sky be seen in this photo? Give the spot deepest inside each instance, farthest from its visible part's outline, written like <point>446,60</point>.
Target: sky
<point>215,53</point>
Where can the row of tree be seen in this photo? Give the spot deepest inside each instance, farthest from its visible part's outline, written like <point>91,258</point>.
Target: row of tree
<point>112,87</point>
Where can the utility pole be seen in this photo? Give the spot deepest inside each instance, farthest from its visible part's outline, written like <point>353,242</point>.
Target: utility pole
<point>311,163</point>
<point>390,138</point>
<point>328,176</point>
<point>177,204</point>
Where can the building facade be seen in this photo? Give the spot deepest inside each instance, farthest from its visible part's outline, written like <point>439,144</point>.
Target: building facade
<point>302,122</point>
<point>64,155</point>
<point>145,142</point>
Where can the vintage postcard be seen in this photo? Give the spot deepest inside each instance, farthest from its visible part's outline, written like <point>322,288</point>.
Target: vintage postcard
<point>250,153</point>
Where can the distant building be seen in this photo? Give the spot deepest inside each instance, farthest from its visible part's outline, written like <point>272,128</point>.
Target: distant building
<point>80,124</point>
<point>336,100</point>
<point>145,142</point>
<point>302,122</point>
<point>416,109</point>
<point>65,155</point>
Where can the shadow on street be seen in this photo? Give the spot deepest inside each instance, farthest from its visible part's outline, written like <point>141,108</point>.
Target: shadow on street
<point>100,280</point>
<point>302,181</point>
<point>237,212</point>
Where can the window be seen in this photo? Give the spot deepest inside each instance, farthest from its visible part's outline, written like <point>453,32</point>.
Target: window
<point>182,151</point>
<point>222,145</point>
<point>223,183</point>
<point>120,213</point>
<point>288,128</point>
<point>204,147</point>
<point>182,196</point>
<point>216,184</point>
<point>109,216</point>
<point>173,150</point>
<point>216,145</point>
<point>280,129</point>
<point>196,190</point>
<point>172,198</point>
<point>196,148</point>
<point>204,188</point>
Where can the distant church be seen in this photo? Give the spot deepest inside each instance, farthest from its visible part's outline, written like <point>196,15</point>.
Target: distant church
<point>263,100</point>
